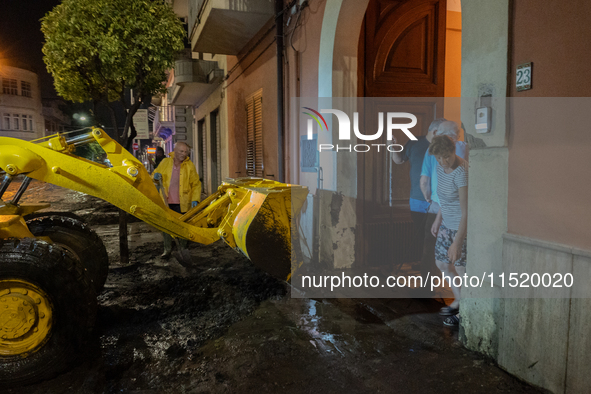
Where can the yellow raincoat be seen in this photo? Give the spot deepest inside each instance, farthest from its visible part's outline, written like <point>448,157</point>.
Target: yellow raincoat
<point>189,183</point>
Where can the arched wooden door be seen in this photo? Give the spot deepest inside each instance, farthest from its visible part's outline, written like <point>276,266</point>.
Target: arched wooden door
<point>401,54</point>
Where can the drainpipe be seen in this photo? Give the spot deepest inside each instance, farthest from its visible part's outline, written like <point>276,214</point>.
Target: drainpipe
<point>279,40</point>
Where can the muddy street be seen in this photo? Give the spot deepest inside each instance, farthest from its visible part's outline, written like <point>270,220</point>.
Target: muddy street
<point>223,326</point>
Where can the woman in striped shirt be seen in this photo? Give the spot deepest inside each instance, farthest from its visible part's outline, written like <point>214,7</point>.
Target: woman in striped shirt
<point>450,226</point>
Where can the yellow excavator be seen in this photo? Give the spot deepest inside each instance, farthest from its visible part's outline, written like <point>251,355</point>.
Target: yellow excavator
<point>52,264</point>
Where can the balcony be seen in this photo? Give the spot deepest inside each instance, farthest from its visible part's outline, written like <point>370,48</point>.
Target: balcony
<point>194,80</point>
<point>55,115</point>
<point>180,7</point>
<point>163,123</point>
<point>225,26</point>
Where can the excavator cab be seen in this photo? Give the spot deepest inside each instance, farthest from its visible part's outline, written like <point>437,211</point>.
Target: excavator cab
<point>52,265</point>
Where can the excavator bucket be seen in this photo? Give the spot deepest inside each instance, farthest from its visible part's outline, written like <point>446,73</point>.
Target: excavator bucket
<point>262,224</point>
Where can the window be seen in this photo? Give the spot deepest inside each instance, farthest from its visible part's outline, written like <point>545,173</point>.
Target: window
<point>254,134</point>
<point>7,122</point>
<point>24,123</point>
<point>26,89</point>
<point>202,150</point>
<point>9,86</point>
<point>16,122</point>
<point>31,128</point>
<point>215,151</point>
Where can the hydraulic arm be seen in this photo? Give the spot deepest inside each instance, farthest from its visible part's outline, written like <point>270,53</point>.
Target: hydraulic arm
<point>250,214</point>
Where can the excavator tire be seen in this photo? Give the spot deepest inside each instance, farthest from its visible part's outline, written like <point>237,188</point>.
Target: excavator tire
<point>52,213</point>
<point>47,311</point>
<point>78,238</point>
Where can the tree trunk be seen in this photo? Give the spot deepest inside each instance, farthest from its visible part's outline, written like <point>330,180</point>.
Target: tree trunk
<point>114,123</point>
<point>127,138</point>
<point>123,244</point>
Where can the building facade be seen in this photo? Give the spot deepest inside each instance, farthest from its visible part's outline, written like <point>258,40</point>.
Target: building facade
<point>194,108</point>
<point>20,104</point>
<point>527,195</point>
<point>55,120</point>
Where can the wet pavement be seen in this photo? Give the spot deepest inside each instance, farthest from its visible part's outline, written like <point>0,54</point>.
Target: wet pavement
<point>223,326</point>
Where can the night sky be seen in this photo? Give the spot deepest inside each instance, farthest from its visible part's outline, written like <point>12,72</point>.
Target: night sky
<point>21,39</point>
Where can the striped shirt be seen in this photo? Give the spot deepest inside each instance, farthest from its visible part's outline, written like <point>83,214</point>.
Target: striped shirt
<point>448,186</point>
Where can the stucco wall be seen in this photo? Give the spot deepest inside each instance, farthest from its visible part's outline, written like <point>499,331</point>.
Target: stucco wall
<point>487,222</point>
<point>345,84</point>
<point>301,71</point>
<point>550,144</point>
<point>255,70</point>
<point>484,69</point>
<point>534,187</point>
<point>337,77</point>
<point>325,65</point>
<point>214,102</point>
<point>485,28</point>
<point>545,341</point>
<point>556,38</point>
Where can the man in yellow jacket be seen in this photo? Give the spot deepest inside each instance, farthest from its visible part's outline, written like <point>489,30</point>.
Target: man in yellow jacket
<point>182,186</point>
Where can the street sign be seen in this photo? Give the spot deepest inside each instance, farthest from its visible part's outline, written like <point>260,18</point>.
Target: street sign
<point>151,151</point>
<point>136,146</point>
<point>140,121</point>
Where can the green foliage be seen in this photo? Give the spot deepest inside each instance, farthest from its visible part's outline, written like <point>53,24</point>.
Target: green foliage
<point>96,48</point>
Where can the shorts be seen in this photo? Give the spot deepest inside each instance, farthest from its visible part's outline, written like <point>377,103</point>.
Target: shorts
<point>445,238</point>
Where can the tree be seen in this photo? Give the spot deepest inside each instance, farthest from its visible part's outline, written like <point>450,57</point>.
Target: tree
<point>96,49</point>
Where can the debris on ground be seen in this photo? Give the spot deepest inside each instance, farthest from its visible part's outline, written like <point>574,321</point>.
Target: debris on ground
<point>223,326</point>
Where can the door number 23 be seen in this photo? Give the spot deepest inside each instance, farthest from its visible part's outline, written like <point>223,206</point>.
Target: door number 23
<point>524,76</point>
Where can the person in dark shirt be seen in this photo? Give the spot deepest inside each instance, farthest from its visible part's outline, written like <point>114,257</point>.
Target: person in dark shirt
<point>414,152</point>
<point>159,156</point>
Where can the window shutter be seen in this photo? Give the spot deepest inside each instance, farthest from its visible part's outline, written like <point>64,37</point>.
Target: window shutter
<point>254,134</point>
<point>215,152</point>
<point>218,145</point>
<point>250,149</point>
<point>202,149</point>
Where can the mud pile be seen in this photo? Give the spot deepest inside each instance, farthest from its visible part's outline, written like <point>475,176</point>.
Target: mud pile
<point>222,326</point>
<point>154,314</point>
<point>153,318</point>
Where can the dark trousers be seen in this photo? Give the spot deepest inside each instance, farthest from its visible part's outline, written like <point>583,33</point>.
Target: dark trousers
<point>175,207</point>
<point>167,238</point>
<point>425,241</point>
<point>418,226</point>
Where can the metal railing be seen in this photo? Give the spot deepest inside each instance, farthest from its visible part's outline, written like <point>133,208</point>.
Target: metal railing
<point>166,113</point>
<point>196,8</point>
